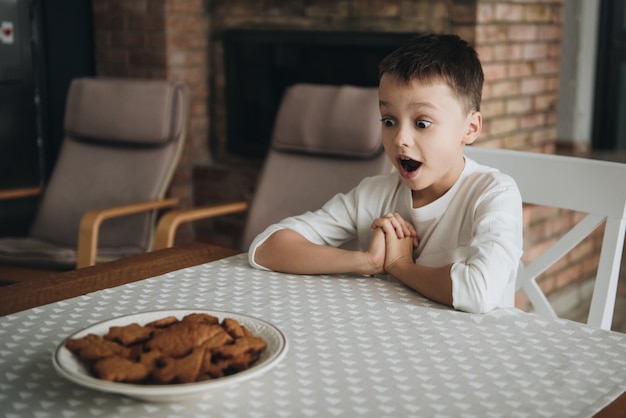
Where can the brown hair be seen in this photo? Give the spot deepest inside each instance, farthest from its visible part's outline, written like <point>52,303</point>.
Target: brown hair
<point>439,57</point>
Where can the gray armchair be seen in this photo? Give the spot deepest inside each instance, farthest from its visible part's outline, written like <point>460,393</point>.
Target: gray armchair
<point>325,140</point>
<point>122,140</point>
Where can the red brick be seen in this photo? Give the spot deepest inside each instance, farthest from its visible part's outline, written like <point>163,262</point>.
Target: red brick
<point>494,71</point>
<point>147,58</point>
<point>485,12</point>
<point>545,102</point>
<point>503,125</point>
<point>463,13</point>
<point>491,108</point>
<point>533,85</point>
<point>550,66</point>
<point>485,53</point>
<point>521,33</point>
<point>535,51</point>
<point>521,69</point>
<point>507,52</point>
<point>532,121</point>
<point>128,39</point>
<point>543,136</point>
<point>156,6</point>
<point>549,33</point>
<point>539,13</point>
<point>505,88</point>
<point>519,105</point>
<point>509,12</point>
<point>488,34</point>
<point>567,276</point>
<point>148,23</point>
<point>516,140</point>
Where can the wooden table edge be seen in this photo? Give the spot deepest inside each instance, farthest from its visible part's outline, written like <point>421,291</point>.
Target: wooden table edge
<point>64,285</point>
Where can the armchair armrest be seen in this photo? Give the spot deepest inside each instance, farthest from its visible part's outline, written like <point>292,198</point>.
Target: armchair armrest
<point>17,193</point>
<point>89,228</point>
<point>166,228</point>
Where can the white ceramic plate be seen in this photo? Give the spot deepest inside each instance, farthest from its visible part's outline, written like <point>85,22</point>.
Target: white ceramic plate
<point>68,365</point>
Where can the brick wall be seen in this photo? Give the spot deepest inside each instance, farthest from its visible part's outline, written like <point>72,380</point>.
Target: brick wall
<point>519,46</point>
<point>518,43</point>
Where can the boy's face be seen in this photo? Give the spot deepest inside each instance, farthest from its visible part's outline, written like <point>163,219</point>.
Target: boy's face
<point>424,130</point>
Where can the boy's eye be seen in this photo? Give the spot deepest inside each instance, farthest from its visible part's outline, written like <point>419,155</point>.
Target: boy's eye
<point>422,124</point>
<point>388,121</point>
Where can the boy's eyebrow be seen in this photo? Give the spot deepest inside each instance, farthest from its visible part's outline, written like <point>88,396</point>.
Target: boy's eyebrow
<point>423,104</point>
<point>429,105</point>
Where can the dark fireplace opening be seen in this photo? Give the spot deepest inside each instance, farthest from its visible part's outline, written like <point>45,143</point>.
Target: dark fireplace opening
<point>260,64</point>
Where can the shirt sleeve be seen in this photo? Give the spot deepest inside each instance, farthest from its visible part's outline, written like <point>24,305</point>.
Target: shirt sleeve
<point>332,225</point>
<point>489,269</point>
<point>346,216</point>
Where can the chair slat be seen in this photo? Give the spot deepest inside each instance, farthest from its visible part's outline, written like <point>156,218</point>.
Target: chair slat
<point>560,248</point>
<point>607,277</point>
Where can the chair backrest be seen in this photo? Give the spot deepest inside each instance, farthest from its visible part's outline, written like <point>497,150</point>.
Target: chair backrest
<point>579,184</point>
<point>122,140</point>
<point>325,140</point>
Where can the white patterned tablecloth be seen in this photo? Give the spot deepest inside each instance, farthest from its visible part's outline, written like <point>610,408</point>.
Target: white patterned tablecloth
<point>358,346</point>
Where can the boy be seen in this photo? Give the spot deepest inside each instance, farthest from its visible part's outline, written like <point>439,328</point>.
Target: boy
<point>442,224</point>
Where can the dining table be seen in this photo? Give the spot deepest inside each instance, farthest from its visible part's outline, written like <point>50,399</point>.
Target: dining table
<point>342,345</point>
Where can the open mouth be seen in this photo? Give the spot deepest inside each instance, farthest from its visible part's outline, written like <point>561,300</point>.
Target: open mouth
<point>408,164</point>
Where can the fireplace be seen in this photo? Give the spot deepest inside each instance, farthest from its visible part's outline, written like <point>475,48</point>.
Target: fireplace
<point>261,63</point>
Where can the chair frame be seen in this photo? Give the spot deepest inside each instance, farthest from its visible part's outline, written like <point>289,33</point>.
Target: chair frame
<point>170,221</point>
<point>577,184</point>
<point>91,221</point>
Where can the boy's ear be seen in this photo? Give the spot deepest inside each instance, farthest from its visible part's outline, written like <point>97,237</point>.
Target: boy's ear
<point>474,126</point>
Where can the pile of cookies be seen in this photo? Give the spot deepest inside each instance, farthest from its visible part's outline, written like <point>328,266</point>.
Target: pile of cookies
<point>195,348</point>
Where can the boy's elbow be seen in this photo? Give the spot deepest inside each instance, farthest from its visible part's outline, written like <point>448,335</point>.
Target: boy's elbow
<point>475,305</point>
<point>478,307</point>
<point>471,293</point>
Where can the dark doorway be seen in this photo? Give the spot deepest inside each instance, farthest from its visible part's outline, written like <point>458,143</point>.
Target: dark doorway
<point>609,130</point>
<point>42,47</point>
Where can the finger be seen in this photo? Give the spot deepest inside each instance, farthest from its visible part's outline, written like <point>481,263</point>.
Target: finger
<point>388,227</point>
<point>401,227</point>
<point>411,228</point>
<point>398,226</point>
<point>378,223</point>
<point>407,228</point>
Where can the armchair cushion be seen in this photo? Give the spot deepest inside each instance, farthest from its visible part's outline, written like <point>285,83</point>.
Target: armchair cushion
<point>136,112</point>
<point>318,119</point>
<point>43,254</point>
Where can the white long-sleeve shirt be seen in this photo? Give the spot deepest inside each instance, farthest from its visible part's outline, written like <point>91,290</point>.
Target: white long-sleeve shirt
<point>476,225</point>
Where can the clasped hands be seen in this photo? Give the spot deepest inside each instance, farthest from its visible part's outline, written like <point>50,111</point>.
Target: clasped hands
<point>392,242</point>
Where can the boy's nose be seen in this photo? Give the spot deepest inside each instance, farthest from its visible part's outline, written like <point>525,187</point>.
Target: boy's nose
<point>402,137</point>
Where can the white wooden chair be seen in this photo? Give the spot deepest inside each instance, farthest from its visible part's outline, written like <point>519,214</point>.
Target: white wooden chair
<point>597,188</point>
